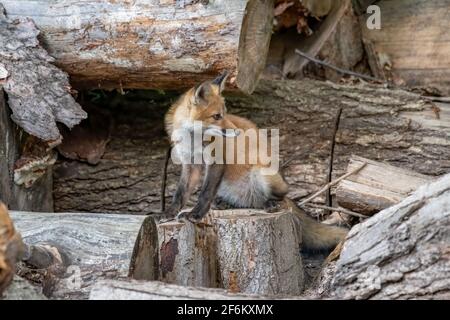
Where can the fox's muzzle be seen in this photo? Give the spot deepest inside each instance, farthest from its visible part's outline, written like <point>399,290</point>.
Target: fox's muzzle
<point>219,132</point>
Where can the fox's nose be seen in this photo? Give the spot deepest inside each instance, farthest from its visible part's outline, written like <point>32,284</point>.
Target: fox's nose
<point>230,132</point>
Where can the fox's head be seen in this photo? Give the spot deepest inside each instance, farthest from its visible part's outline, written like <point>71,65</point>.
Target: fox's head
<point>207,105</point>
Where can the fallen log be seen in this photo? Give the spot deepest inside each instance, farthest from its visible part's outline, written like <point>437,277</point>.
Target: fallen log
<point>95,246</point>
<point>11,249</point>
<point>377,186</point>
<point>160,44</point>
<point>153,290</point>
<point>401,252</point>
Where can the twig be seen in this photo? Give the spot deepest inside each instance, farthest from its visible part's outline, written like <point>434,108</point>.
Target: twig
<point>164,179</point>
<point>343,71</point>
<point>342,210</point>
<point>331,156</point>
<point>437,99</point>
<point>330,184</point>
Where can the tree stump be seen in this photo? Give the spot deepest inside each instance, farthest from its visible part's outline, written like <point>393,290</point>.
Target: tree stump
<point>258,252</point>
<point>187,254</point>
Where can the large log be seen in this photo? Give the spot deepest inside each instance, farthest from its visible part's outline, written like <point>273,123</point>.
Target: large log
<point>377,186</point>
<point>153,44</point>
<point>153,290</point>
<point>401,252</point>
<point>377,123</point>
<point>417,59</point>
<point>94,246</point>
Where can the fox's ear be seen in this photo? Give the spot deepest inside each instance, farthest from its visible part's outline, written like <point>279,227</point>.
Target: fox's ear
<point>221,80</point>
<point>201,93</point>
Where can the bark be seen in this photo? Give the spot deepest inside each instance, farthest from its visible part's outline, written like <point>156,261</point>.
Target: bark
<point>38,92</point>
<point>37,197</point>
<point>377,186</point>
<point>92,247</point>
<point>402,252</point>
<point>11,248</point>
<point>161,44</point>
<point>153,290</point>
<point>397,54</point>
<point>144,264</point>
<point>259,253</point>
<point>380,124</point>
<point>188,254</point>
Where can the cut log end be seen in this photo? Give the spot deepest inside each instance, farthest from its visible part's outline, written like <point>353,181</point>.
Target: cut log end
<point>254,43</point>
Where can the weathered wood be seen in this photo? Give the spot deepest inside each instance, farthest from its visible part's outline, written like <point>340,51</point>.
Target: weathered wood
<point>21,289</point>
<point>412,45</point>
<point>11,248</point>
<point>259,252</point>
<point>187,254</point>
<point>378,123</point>
<point>38,92</point>
<point>144,264</point>
<point>153,44</point>
<point>154,290</point>
<point>377,186</point>
<point>38,197</point>
<point>401,252</point>
<point>96,246</point>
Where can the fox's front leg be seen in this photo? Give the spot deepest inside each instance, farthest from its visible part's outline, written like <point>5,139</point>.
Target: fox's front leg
<point>213,177</point>
<point>190,175</point>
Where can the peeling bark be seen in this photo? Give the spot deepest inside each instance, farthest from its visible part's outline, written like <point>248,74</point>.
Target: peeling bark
<point>402,252</point>
<point>38,92</point>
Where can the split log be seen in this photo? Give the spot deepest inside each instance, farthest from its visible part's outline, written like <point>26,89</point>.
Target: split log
<point>394,126</point>
<point>402,252</point>
<point>417,59</point>
<point>96,246</point>
<point>153,290</point>
<point>188,254</point>
<point>39,93</point>
<point>11,249</point>
<point>259,252</point>
<point>377,186</point>
<point>159,44</point>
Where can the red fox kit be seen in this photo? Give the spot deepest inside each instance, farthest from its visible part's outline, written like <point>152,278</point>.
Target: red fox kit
<point>241,185</point>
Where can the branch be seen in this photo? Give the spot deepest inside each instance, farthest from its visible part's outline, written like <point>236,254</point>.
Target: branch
<point>342,210</point>
<point>330,184</point>
<point>337,69</point>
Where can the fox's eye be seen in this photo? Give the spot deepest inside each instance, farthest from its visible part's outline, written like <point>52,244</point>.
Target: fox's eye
<point>217,116</point>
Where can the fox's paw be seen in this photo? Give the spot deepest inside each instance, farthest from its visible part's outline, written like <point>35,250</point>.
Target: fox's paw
<point>188,216</point>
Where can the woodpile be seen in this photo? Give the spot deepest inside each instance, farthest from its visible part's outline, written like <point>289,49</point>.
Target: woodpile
<point>365,151</point>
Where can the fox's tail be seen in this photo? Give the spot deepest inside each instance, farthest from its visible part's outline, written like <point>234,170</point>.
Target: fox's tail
<point>316,236</point>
